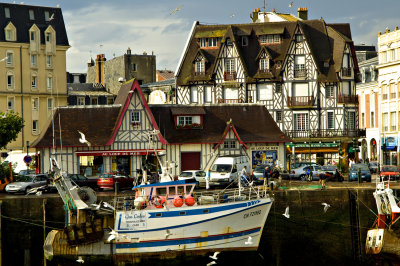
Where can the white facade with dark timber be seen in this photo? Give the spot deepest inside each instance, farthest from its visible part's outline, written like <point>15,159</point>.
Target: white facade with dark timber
<point>303,72</point>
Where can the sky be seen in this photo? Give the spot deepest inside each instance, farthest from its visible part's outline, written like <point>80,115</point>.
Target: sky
<point>111,26</point>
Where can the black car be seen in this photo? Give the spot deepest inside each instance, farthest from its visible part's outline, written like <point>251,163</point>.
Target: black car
<point>373,167</point>
<point>83,181</point>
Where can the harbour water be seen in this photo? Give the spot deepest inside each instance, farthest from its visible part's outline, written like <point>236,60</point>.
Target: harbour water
<point>309,236</point>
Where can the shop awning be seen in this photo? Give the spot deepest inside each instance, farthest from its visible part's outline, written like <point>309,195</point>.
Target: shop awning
<point>119,152</point>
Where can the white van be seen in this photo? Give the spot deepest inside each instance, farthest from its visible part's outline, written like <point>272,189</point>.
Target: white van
<point>226,169</point>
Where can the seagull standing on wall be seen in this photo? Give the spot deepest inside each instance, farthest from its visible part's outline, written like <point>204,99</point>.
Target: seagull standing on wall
<point>83,139</point>
<point>249,241</point>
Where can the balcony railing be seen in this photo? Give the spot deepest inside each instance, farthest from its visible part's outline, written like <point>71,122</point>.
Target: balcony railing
<point>230,75</point>
<point>300,73</point>
<point>324,133</point>
<point>300,101</point>
<point>347,98</point>
<point>230,101</point>
<point>346,72</point>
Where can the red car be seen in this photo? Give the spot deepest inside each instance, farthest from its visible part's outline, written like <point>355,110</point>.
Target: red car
<point>390,171</point>
<point>108,180</point>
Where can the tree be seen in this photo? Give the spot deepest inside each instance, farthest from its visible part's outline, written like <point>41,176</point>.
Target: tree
<point>10,126</point>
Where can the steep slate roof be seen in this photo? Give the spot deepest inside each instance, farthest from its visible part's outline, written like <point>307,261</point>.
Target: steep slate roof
<point>93,89</point>
<point>97,123</point>
<point>326,41</point>
<point>253,123</point>
<point>19,16</point>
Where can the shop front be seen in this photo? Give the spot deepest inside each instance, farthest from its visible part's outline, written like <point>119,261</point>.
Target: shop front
<point>317,152</point>
<point>389,150</point>
<point>126,162</point>
<point>264,155</point>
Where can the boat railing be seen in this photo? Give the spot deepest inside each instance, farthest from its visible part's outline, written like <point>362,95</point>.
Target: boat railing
<point>127,203</point>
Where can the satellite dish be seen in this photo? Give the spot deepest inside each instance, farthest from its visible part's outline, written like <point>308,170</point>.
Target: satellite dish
<point>87,195</point>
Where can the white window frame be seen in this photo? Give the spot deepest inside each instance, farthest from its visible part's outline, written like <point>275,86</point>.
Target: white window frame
<point>330,91</point>
<point>7,12</point>
<point>34,61</point>
<point>194,96</point>
<point>10,80</point>
<point>208,94</point>
<point>301,121</point>
<point>265,92</point>
<point>200,66</point>
<point>49,61</point>
<point>10,58</point>
<point>330,121</point>
<point>35,126</point>
<point>212,42</point>
<point>230,65</point>
<point>49,82</point>
<point>50,106</point>
<point>34,81</point>
<point>203,42</point>
<point>264,64</point>
<point>35,104</point>
<point>80,100</point>
<point>352,120</point>
<point>134,117</point>
<point>229,144</point>
<point>184,120</point>
<point>12,100</point>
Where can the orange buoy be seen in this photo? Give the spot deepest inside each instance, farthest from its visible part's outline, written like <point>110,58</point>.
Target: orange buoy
<point>143,205</point>
<point>189,200</point>
<point>178,201</point>
<point>158,201</point>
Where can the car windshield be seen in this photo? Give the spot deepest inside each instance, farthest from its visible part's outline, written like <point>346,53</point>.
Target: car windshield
<point>329,167</point>
<point>25,178</point>
<point>221,168</point>
<point>390,168</point>
<point>362,167</point>
<point>200,174</point>
<point>186,174</point>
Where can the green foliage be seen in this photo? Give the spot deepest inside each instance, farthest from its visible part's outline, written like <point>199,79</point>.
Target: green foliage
<point>5,171</point>
<point>10,126</point>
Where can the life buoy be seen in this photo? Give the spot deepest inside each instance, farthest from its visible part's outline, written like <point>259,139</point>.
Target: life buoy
<point>158,201</point>
<point>178,201</point>
<point>143,205</point>
<point>189,200</point>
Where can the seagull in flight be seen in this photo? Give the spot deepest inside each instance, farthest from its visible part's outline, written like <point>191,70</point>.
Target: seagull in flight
<point>113,235</point>
<point>108,206</point>
<point>167,234</point>
<point>51,17</point>
<point>286,214</point>
<point>326,206</point>
<point>83,139</point>
<point>249,241</point>
<point>176,9</point>
<point>211,263</point>
<point>291,4</point>
<point>80,260</point>
<point>4,59</point>
<point>214,256</point>
<point>232,16</point>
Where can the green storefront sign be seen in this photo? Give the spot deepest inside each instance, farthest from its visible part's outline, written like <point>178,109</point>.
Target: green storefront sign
<point>313,145</point>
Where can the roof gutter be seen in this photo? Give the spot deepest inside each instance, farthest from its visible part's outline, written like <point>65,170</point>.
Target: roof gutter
<point>185,51</point>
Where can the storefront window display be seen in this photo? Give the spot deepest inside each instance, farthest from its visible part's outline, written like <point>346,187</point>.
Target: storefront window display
<point>91,165</point>
<point>263,157</point>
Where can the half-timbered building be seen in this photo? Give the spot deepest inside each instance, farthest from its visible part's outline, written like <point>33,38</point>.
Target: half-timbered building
<point>303,72</point>
<point>127,135</point>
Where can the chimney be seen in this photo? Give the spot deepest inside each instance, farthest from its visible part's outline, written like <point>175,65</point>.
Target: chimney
<point>100,59</point>
<point>128,52</point>
<point>302,13</point>
<point>254,16</point>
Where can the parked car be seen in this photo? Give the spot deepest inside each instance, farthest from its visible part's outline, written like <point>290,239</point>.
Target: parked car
<point>26,172</point>
<point>194,175</point>
<point>108,180</point>
<point>329,168</point>
<point>83,181</point>
<point>258,173</point>
<point>301,172</point>
<point>332,173</point>
<point>373,167</point>
<point>365,172</point>
<point>300,164</point>
<point>390,171</point>
<point>24,183</point>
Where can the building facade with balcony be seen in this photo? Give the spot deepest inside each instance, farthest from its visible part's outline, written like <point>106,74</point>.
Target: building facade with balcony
<point>33,49</point>
<point>303,71</point>
<point>368,93</point>
<point>389,90</point>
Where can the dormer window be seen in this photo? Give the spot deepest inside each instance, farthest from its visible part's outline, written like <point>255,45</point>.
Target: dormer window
<point>188,122</point>
<point>245,41</point>
<point>34,37</point>
<point>46,15</point>
<point>10,32</point>
<point>264,64</point>
<point>50,40</point>
<point>270,39</point>
<point>200,68</point>
<point>7,12</point>
<point>31,14</point>
<point>208,42</point>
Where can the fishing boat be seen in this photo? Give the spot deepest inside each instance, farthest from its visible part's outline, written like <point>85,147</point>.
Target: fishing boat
<point>384,238</point>
<point>160,219</point>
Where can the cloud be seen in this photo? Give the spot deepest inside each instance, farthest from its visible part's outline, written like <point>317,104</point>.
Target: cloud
<point>111,30</point>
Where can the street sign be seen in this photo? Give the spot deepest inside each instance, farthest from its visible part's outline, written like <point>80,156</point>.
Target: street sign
<point>27,159</point>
